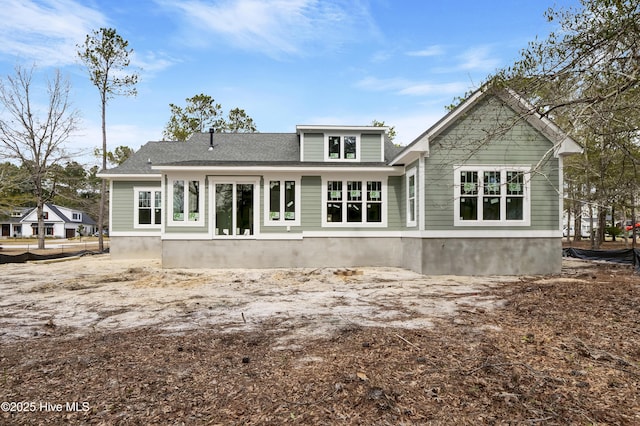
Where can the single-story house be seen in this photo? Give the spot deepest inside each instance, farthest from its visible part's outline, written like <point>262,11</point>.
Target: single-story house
<point>59,222</point>
<point>479,192</point>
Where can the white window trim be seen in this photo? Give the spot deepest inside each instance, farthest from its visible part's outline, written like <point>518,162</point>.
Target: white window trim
<point>136,206</point>
<point>267,197</point>
<point>169,204</point>
<point>342,135</point>
<point>414,222</point>
<point>344,223</point>
<point>526,204</point>
<point>213,181</point>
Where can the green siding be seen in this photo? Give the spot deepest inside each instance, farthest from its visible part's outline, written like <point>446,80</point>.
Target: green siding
<point>370,146</point>
<point>311,203</point>
<point>123,205</point>
<point>467,143</point>
<point>395,203</point>
<point>313,147</point>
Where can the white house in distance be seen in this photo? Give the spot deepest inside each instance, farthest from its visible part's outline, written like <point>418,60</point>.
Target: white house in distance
<point>59,222</point>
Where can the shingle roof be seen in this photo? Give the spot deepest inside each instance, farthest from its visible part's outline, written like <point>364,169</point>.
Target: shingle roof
<point>228,149</point>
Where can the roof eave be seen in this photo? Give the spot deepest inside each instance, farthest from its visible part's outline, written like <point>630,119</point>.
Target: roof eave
<point>129,176</point>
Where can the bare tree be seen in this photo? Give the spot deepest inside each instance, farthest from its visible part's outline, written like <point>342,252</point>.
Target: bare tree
<point>33,136</point>
<point>106,55</point>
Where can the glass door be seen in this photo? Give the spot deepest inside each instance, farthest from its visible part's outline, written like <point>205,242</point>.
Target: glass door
<point>234,207</point>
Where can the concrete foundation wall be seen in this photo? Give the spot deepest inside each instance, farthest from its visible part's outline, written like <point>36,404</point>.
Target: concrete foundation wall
<point>135,247</point>
<point>434,256</point>
<point>305,253</point>
<point>489,256</point>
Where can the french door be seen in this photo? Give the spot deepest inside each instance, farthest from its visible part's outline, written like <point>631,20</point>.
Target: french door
<point>235,209</point>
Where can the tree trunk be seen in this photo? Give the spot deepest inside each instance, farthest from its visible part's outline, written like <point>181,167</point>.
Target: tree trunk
<point>103,185</point>
<point>39,212</point>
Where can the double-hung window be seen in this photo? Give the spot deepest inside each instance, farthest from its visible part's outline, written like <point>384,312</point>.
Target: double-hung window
<point>411,198</point>
<point>492,196</point>
<point>350,202</point>
<point>148,208</point>
<point>187,202</point>
<point>343,147</point>
<point>282,201</point>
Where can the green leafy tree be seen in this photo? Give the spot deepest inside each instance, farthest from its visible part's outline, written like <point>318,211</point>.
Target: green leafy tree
<point>239,122</point>
<point>15,187</point>
<point>391,132</point>
<point>202,113</point>
<point>107,57</point>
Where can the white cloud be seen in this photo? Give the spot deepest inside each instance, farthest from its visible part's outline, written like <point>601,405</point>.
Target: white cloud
<point>46,32</point>
<point>403,86</point>
<point>478,59</point>
<point>435,50</point>
<point>274,27</point>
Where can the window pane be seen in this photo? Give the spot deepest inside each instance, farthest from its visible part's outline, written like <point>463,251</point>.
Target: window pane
<point>354,191</point>
<point>144,216</point>
<point>491,183</point>
<point>374,191</point>
<point>491,208</point>
<point>194,200</point>
<point>412,210</point>
<point>354,212</point>
<point>334,191</point>
<point>274,200</point>
<point>334,212</point>
<point>158,208</point>
<point>224,205</point>
<point>334,147</point>
<point>289,200</point>
<point>178,200</point>
<point>514,208</point>
<point>350,147</point>
<point>468,183</point>
<point>515,183</point>
<point>412,186</point>
<point>244,209</point>
<point>469,208</point>
<point>144,199</point>
<point>374,212</point>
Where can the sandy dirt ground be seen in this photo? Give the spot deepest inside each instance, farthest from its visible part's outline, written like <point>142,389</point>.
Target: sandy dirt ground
<point>95,293</point>
<point>103,342</point>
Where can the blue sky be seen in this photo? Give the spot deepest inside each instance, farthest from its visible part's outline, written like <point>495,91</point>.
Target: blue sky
<point>285,62</point>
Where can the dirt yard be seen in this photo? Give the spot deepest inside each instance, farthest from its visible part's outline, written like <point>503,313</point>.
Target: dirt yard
<point>97,341</point>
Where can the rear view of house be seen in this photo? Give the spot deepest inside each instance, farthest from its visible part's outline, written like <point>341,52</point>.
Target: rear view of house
<point>480,192</point>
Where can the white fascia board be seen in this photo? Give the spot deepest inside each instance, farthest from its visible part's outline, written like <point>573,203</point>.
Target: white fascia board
<point>318,128</point>
<point>260,170</point>
<point>335,233</point>
<point>481,233</point>
<point>563,144</point>
<point>134,233</point>
<point>132,176</point>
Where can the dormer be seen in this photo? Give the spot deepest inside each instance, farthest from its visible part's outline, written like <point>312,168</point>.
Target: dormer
<point>341,144</point>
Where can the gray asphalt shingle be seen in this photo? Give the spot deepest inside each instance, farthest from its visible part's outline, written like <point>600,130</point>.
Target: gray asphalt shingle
<point>228,148</point>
